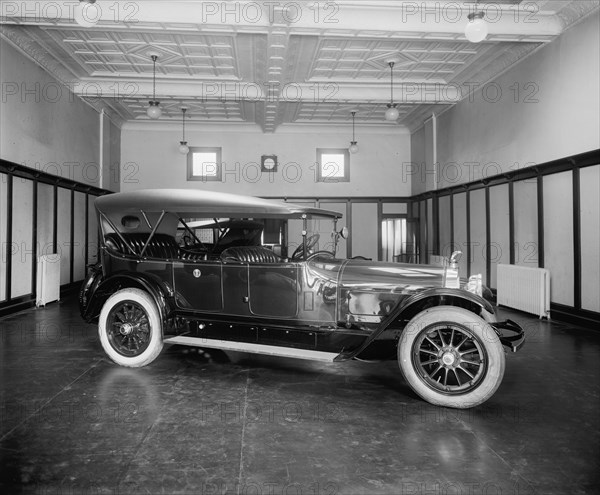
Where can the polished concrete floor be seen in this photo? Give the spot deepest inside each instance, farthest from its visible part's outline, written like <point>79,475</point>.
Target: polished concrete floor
<point>72,422</point>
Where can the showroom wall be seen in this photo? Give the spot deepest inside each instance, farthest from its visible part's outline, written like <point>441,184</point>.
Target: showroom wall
<point>547,110</point>
<point>550,219</point>
<point>151,159</point>
<point>547,106</point>
<point>46,129</point>
<point>45,126</point>
<point>111,154</point>
<point>376,188</point>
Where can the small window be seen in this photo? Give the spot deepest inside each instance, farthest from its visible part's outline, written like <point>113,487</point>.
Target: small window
<point>333,165</point>
<point>204,164</point>
<point>130,222</point>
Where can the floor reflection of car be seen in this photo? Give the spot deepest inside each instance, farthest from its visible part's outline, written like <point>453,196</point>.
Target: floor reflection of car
<point>213,270</point>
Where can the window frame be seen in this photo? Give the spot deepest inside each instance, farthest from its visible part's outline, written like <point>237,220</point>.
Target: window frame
<point>218,177</point>
<point>333,151</point>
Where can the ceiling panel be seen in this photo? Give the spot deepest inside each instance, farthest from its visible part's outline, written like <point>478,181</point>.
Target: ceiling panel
<point>271,70</point>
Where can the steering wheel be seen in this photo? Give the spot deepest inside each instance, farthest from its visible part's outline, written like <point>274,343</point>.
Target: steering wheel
<point>195,248</point>
<point>310,243</point>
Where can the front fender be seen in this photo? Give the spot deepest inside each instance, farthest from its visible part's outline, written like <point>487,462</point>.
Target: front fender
<point>153,286</point>
<point>410,306</point>
<point>487,310</point>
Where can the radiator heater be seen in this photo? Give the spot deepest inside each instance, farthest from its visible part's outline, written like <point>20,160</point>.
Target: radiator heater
<point>48,279</point>
<point>524,288</point>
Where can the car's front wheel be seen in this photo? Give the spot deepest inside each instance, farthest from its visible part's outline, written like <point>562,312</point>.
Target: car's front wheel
<point>451,357</point>
<point>130,328</point>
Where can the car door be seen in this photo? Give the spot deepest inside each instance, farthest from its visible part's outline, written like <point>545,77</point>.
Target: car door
<point>273,289</point>
<point>198,285</point>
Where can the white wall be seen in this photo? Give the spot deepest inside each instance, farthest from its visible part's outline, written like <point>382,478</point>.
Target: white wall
<point>42,124</point>
<point>549,109</point>
<point>418,163</point>
<point>590,238</point>
<point>554,114</point>
<point>150,159</point>
<point>114,181</point>
<point>111,154</point>
<point>45,127</point>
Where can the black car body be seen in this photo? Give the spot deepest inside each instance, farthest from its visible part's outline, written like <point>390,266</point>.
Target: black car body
<point>188,267</point>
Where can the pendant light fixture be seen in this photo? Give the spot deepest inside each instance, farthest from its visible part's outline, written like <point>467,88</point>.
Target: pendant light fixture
<point>353,144</point>
<point>183,147</point>
<point>392,112</point>
<point>87,13</point>
<point>154,111</point>
<point>476,29</point>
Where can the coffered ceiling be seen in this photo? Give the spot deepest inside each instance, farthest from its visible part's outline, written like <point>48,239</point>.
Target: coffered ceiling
<point>278,62</point>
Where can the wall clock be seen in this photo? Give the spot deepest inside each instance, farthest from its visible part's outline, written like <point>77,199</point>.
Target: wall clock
<point>268,163</point>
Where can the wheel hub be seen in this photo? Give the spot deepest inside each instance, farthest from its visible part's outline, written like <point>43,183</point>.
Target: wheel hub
<point>126,328</point>
<point>448,358</point>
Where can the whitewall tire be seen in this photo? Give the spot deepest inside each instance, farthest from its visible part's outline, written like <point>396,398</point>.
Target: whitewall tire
<point>451,357</point>
<point>130,328</point>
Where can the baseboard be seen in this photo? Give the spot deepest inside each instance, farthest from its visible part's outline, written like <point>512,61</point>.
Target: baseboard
<point>16,305</point>
<point>28,301</point>
<point>581,317</point>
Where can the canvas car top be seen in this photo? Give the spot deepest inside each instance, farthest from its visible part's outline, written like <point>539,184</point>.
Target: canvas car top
<point>209,203</point>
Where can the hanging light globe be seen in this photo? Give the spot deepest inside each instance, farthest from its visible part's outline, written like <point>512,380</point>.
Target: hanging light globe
<point>87,13</point>
<point>354,143</point>
<point>392,112</point>
<point>184,149</point>
<point>477,29</point>
<point>154,111</point>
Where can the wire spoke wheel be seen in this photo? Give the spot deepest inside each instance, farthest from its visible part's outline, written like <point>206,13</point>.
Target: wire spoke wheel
<point>449,358</point>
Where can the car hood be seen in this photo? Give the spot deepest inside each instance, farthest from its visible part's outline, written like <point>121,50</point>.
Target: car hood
<point>394,277</point>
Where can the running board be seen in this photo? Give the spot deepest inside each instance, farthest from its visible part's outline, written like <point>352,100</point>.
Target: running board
<point>268,350</point>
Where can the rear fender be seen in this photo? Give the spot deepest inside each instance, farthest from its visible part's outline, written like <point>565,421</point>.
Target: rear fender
<point>155,287</point>
<point>88,289</point>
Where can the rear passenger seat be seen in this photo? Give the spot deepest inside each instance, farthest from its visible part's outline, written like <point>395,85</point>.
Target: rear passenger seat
<point>162,246</point>
<point>250,254</point>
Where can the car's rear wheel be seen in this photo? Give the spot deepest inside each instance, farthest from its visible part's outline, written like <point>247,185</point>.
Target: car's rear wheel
<point>451,357</point>
<point>130,328</point>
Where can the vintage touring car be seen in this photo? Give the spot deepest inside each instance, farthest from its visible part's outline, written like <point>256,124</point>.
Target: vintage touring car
<point>192,267</point>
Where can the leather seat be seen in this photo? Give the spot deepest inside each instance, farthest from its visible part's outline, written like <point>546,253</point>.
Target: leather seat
<point>250,254</point>
<point>162,246</point>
